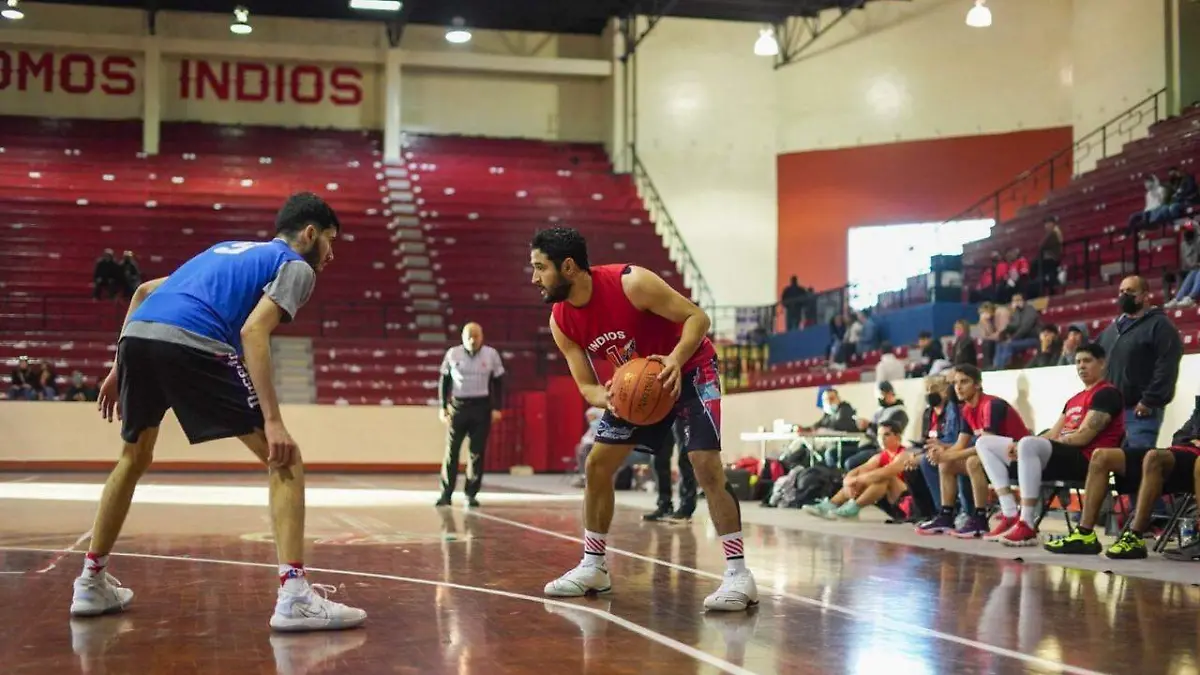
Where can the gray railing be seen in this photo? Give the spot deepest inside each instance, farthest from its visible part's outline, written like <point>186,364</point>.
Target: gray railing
<point>672,238</point>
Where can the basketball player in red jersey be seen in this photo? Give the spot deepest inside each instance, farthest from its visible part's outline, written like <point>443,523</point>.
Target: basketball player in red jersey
<point>622,312</point>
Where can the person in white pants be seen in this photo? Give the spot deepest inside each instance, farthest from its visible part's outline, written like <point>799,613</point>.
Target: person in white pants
<point>1091,419</point>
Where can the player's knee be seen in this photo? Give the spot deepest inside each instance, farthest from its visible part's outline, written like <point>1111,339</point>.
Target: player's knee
<point>140,455</point>
<point>1155,460</point>
<point>710,473</point>
<point>974,463</point>
<point>1106,460</point>
<point>603,461</point>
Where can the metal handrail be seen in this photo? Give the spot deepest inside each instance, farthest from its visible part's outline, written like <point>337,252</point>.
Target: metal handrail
<point>692,276</point>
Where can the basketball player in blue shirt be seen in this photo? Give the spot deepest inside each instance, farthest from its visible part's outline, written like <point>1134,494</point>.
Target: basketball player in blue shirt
<point>199,343</point>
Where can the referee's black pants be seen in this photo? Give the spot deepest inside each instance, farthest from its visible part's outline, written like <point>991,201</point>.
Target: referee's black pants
<point>469,418</point>
<point>687,475</point>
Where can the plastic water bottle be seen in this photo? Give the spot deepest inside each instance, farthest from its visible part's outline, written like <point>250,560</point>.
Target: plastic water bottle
<point>1187,531</point>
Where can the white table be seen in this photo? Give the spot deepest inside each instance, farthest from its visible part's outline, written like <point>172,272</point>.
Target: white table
<point>765,437</point>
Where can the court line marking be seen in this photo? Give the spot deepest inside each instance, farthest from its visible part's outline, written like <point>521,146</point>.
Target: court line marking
<point>881,622</point>
<point>638,629</point>
<point>70,549</point>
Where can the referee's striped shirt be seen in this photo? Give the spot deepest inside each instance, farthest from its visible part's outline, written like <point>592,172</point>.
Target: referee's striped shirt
<point>471,375</point>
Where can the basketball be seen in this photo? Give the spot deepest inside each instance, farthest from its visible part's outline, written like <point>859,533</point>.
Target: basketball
<point>637,395</point>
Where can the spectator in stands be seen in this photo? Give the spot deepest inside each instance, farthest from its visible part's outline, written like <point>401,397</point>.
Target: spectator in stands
<point>1075,339</point>
<point>991,278</point>
<point>46,385</point>
<point>993,320</point>
<point>1020,333</point>
<point>793,300</point>
<point>1144,350</point>
<point>1174,469</point>
<point>1181,194</point>
<point>1189,271</point>
<point>880,478</point>
<point>1049,255</point>
<point>107,278</point>
<point>872,332</point>
<point>22,382</point>
<point>1155,195</point>
<point>942,426</point>
<point>839,415</point>
<point>837,333</point>
<point>889,367</point>
<point>1018,275</point>
<point>849,345</point>
<point>985,415</point>
<point>963,350</point>
<point>131,274</point>
<point>891,409</point>
<point>1049,348</point>
<point>931,350</point>
<point>80,390</point>
<point>1093,418</point>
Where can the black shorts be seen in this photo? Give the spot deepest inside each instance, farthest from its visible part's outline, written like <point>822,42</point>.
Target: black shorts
<point>211,394</point>
<point>1180,479</point>
<point>698,411</point>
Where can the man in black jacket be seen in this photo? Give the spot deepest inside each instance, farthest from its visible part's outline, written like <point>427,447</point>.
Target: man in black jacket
<point>1144,350</point>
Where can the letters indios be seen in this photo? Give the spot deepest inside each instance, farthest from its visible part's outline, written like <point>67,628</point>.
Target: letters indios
<point>279,83</point>
<point>67,73</point>
<point>595,345</point>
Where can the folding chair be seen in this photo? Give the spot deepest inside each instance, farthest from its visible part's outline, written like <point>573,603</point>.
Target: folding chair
<point>1180,504</point>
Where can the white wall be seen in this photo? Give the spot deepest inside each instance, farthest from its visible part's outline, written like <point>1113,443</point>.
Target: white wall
<point>706,133</point>
<point>1038,394</point>
<point>899,71</point>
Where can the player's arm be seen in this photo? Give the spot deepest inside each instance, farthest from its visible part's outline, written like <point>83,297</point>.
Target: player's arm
<point>593,392</point>
<point>1106,405</point>
<point>649,293</point>
<point>106,399</point>
<point>1056,430</point>
<point>256,343</point>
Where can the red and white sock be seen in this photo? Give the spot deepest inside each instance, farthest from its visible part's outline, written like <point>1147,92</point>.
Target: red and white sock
<point>291,577</point>
<point>595,546</point>
<point>94,565</point>
<point>735,557</point>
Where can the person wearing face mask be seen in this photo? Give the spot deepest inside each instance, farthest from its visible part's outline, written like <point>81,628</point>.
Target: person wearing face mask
<point>942,426</point>
<point>879,478</point>
<point>891,408</point>
<point>1144,350</point>
<point>963,350</point>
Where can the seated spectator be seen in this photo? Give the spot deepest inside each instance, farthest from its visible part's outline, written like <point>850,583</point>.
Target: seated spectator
<point>1049,255</point>
<point>131,275</point>
<point>942,426</point>
<point>1017,278</point>
<point>990,279</point>
<point>849,345</point>
<point>1189,271</point>
<point>107,277</point>
<point>1076,338</point>
<point>880,478</point>
<point>23,382</point>
<point>1181,193</point>
<point>985,415</point>
<point>963,350</point>
<point>1150,472</point>
<point>1020,334</point>
<point>889,367</point>
<point>47,384</point>
<point>1049,348</point>
<point>1093,418</point>
<point>931,350</point>
<point>837,333</point>
<point>872,333</point>
<point>80,390</point>
<point>1155,194</point>
<point>891,409</point>
<point>839,415</point>
<point>993,320</point>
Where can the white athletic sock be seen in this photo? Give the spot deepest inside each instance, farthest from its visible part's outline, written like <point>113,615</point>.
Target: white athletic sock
<point>1008,504</point>
<point>595,546</point>
<point>735,558</point>
<point>1028,514</point>
<point>94,565</point>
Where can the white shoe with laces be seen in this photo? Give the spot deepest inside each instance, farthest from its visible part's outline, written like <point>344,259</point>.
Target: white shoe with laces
<point>580,581</point>
<point>97,595</point>
<point>737,593</point>
<point>310,609</point>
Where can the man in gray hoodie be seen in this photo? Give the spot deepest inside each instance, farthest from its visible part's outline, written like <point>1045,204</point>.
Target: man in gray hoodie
<point>1020,334</point>
<point>1144,350</point>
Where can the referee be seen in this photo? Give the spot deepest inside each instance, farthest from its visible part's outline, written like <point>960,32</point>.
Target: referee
<point>469,401</point>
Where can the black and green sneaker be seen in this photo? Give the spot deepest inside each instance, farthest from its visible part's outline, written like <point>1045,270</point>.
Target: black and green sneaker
<point>1076,543</point>
<point>1129,547</point>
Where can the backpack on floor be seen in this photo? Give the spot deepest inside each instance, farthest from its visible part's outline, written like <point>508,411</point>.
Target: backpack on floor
<point>804,485</point>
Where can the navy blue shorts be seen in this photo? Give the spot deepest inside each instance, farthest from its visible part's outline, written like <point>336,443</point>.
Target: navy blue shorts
<point>698,411</point>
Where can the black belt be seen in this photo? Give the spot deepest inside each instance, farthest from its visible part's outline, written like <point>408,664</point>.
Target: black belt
<point>474,400</point>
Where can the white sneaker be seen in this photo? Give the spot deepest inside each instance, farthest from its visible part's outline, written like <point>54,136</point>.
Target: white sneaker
<point>99,595</point>
<point>580,581</point>
<point>737,593</point>
<point>308,610</point>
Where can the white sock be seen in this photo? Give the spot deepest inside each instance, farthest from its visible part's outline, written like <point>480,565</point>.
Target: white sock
<point>291,577</point>
<point>1027,515</point>
<point>735,558</point>
<point>94,565</point>
<point>595,546</point>
<point>1008,505</point>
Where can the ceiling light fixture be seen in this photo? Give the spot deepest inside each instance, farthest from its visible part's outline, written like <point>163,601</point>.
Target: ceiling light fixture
<point>458,34</point>
<point>12,12</point>
<point>377,5</point>
<point>979,16</point>
<point>766,44</point>
<point>241,21</point>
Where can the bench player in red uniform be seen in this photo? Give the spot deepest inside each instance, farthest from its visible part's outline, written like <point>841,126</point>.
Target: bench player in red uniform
<point>621,312</point>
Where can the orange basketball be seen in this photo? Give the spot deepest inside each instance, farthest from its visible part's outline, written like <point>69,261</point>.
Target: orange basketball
<point>637,395</point>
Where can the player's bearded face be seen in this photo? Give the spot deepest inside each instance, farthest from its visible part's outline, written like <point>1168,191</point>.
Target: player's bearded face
<point>555,288</point>
<point>319,250</point>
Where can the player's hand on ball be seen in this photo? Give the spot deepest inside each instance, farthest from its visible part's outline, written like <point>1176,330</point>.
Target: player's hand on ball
<point>600,396</point>
<point>669,375</point>
<point>110,397</point>
<point>281,449</point>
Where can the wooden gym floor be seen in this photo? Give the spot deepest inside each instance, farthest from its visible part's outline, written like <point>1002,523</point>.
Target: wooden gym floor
<point>452,591</point>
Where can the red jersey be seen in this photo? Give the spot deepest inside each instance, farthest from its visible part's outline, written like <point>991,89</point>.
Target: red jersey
<point>995,416</point>
<point>610,326</point>
<point>1102,397</point>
